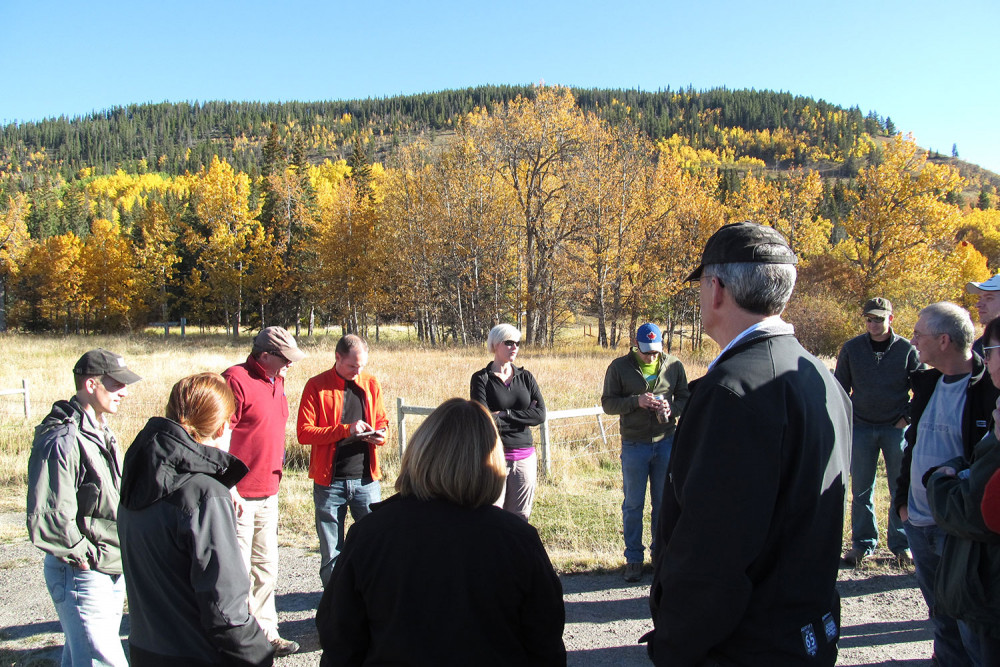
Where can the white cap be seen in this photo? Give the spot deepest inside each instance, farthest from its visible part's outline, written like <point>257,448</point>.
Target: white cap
<point>991,285</point>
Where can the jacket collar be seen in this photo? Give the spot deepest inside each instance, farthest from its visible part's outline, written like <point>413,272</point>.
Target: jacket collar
<point>762,331</point>
<point>255,369</point>
<point>978,371</point>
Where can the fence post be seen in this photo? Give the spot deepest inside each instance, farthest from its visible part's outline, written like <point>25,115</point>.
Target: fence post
<point>546,460</point>
<point>604,435</point>
<point>27,403</point>
<point>400,425</point>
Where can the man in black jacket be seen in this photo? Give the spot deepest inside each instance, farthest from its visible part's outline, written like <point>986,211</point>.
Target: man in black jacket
<point>752,519</point>
<point>952,404</point>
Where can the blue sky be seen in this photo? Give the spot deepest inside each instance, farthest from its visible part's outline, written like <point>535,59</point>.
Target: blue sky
<point>931,67</point>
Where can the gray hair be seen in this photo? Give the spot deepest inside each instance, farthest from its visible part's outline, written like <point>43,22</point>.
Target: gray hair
<point>945,317</point>
<point>759,288</point>
<point>499,334</point>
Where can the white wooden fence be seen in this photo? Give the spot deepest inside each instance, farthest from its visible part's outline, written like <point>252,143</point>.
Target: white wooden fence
<point>22,390</point>
<point>546,429</point>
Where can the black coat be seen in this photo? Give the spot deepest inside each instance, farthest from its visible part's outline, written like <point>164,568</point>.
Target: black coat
<point>751,524</point>
<point>185,578</point>
<point>433,583</point>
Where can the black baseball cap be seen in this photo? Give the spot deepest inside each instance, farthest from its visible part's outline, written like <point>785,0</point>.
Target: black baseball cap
<point>745,242</point>
<point>102,362</point>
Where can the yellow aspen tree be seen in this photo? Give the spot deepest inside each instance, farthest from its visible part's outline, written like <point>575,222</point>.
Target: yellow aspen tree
<point>530,143</point>
<point>107,264</point>
<point>228,236</point>
<point>50,285</point>
<point>480,239</point>
<point>789,205</point>
<point>901,224</point>
<point>156,252</point>
<point>608,195</point>
<point>982,228</point>
<point>967,265</point>
<point>14,244</point>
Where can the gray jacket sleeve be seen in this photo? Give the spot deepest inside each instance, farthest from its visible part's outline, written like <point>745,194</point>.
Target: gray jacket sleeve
<point>52,506</point>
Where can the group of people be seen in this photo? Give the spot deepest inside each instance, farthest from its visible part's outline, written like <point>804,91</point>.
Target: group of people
<point>186,523</point>
<point>747,468</point>
<point>929,405</point>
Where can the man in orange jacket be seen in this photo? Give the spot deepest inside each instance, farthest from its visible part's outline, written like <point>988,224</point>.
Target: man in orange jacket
<point>342,416</point>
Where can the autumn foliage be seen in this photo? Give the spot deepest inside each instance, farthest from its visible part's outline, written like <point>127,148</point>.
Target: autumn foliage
<point>533,212</point>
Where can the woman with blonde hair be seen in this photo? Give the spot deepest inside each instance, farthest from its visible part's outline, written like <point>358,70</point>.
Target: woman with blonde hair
<point>511,394</point>
<point>436,574</point>
<point>185,578</point>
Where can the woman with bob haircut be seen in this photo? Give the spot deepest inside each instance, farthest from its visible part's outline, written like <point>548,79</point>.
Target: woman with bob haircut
<point>185,578</point>
<point>512,395</point>
<point>436,574</point>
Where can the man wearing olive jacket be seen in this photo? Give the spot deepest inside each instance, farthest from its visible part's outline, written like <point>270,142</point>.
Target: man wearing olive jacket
<point>74,478</point>
<point>648,390</point>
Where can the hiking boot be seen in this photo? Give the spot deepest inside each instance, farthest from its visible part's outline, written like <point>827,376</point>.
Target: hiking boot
<point>904,558</point>
<point>633,572</point>
<point>283,647</point>
<point>855,556</point>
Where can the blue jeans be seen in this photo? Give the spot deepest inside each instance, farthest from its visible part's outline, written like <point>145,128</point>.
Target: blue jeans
<point>331,511</point>
<point>642,461</point>
<point>955,643</point>
<point>868,442</point>
<point>89,604</point>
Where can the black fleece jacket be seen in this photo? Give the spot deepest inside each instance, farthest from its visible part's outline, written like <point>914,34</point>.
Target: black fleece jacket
<point>186,582</point>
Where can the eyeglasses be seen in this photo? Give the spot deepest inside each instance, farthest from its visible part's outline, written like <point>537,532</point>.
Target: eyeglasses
<point>918,334</point>
<point>512,343</point>
<point>872,318</point>
<point>986,351</point>
<point>284,360</point>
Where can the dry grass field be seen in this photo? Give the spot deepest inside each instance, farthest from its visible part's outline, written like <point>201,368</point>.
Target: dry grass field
<point>577,509</point>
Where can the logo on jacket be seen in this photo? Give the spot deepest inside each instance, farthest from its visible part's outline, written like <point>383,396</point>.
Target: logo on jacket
<point>809,639</point>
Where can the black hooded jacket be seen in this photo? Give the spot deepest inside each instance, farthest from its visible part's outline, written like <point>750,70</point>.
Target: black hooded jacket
<point>186,582</point>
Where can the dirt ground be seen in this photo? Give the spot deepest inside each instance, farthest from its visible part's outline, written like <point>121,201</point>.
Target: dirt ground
<point>884,617</point>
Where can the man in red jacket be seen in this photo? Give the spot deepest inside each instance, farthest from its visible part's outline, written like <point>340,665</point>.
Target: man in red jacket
<point>259,441</point>
<point>341,415</point>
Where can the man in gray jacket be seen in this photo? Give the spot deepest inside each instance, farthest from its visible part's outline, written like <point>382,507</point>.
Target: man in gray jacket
<point>648,390</point>
<point>874,368</point>
<point>74,477</point>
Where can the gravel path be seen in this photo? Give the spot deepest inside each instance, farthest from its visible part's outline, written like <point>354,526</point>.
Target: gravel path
<point>885,620</point>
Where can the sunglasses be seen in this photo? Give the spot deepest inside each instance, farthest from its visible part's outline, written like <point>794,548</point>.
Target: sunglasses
<point>284,359</point>
<point>872,318</point>
<point>512,343</point>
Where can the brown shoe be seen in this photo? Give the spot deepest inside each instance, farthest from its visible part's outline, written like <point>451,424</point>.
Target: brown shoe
<point>283,647</point>
<point>633,572</point>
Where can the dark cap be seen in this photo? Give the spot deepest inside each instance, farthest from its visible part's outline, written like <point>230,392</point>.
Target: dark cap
<point>278,340</point>
<point>102,362</point>
<point>878,307</point>
<point>745,242</point>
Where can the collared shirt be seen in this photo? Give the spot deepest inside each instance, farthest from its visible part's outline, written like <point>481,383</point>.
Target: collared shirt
<point>772,321</point>
<point>258,426</point>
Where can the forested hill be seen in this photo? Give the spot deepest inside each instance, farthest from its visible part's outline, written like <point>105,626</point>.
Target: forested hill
<point>777,128</point>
